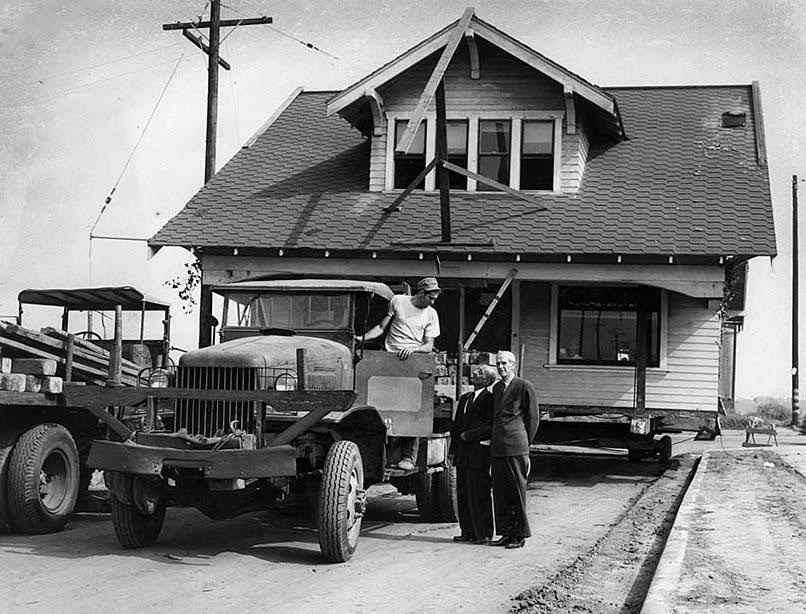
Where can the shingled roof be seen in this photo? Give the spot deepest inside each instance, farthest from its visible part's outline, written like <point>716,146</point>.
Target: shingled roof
<point>681,185</point>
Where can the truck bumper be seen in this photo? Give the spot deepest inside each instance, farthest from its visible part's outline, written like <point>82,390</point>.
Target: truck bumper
<point>128,457</point>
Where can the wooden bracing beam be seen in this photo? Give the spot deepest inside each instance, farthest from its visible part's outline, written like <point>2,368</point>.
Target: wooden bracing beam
<point>434,81</point>
<point>494,184</point>
<point>395,206</point>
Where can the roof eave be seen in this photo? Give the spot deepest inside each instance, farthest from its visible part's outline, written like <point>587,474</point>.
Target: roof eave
<point>434,43</point>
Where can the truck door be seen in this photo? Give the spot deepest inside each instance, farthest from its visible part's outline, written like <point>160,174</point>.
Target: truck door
<point>401,390</point>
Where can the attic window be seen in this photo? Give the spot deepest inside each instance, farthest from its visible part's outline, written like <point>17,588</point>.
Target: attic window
<point>409,165</point>
<point>734,119</point>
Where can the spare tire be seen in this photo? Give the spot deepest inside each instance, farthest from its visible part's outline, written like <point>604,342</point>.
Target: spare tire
<point>43,479</point>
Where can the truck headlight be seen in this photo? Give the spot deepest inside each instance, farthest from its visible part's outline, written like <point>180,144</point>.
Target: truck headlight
<point>285,382</point>
<point>158,378</point>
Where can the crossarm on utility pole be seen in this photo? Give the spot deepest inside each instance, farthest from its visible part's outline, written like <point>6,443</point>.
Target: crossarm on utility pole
<point>224,23</point>
<point>200,44</point>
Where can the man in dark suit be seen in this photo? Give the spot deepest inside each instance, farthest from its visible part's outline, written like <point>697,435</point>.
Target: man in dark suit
<point>515,420</point>
<point>470,450</point>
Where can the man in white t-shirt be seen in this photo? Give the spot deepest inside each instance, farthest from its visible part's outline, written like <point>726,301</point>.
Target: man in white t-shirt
<point>413,325</point>
<point>412,320</point>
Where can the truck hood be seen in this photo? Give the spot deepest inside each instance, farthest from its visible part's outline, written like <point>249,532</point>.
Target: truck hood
<point>267,351</point>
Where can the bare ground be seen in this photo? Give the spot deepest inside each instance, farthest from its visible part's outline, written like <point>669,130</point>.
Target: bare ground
<point>259,562</point>
<point>615,573</point>
<point>745,550</point>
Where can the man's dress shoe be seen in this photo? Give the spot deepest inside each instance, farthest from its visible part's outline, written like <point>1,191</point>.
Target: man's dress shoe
<point>516,542</point>
<point>501,541</point>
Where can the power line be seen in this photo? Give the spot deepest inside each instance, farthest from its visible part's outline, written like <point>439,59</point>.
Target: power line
<point>294,38</point>
<point>139,140</point>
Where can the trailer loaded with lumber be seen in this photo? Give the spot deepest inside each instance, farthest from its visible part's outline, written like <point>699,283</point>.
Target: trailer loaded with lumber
<point>44,440</point>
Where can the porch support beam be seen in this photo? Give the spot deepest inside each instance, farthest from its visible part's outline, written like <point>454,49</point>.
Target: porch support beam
<point>473,51</point>
<point>570,110</point>
<point>376,107</point>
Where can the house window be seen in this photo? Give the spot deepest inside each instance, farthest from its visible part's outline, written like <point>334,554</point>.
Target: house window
<point>457,152</point>
<point>537,155</point>
<point>494,149</point>
<point>597,325</point>
<point>409,165</point>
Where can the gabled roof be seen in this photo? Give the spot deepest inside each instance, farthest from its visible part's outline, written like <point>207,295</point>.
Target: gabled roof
<point>682,185</point>
<point>436,42</point>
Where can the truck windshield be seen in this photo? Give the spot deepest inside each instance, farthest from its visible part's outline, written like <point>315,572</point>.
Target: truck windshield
<point>290,311</point>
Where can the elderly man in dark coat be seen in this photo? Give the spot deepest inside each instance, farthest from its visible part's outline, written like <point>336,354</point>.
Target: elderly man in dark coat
<point>470,449</point>
<point>515,420</point>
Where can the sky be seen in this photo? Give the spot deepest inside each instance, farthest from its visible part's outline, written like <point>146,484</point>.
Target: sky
<point>81,81</point>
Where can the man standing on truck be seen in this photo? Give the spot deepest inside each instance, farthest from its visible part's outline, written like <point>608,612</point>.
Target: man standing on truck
<point>515,420</point>
<point>413,325</point>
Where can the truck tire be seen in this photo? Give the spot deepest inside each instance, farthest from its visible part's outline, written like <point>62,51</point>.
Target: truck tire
<point>342,501</point>
<point>426,496</point>
<point>43,476</point>
<point>445,483</point>
<point>6,525</point>
<point>133,528</point>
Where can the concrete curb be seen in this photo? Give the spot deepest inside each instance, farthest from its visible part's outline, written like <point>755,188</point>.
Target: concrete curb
<point>660,597</point>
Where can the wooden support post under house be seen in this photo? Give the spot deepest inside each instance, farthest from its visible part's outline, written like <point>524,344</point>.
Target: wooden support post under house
<point>641,342</point>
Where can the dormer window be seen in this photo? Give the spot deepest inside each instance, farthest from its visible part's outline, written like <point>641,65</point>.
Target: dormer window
<point>457,152</point>
<point>519,149</point>
<point>409,165</point>
<point>537,155</point>
<point>495,137</point>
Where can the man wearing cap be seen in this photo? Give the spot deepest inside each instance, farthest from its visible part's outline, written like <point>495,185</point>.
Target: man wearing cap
<point>413,325</point>
<point>515,420</point>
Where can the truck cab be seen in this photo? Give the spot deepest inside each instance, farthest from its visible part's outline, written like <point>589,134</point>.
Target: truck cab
<point>291,399</point>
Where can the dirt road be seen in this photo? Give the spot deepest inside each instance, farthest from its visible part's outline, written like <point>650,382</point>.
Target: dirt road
<point>262,563</point>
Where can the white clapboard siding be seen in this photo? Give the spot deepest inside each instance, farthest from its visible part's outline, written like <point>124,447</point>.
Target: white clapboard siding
<point>506,84</point>
<point>377,160</point>
<point>689,379</point>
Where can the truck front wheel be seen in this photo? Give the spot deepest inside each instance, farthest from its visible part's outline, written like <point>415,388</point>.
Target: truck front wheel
<point>342,502</point>
<point>133,528</point>
<point>43,478</point>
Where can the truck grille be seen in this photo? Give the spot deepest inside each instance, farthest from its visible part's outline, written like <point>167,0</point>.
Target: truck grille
<point>211,417</point>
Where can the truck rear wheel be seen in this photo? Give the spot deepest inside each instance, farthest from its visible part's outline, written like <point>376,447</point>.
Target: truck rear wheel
<point>445,482</point>
<point>133,528</point>
<point>342,501</point>
<point>425,494</point>
<point>43,476</point>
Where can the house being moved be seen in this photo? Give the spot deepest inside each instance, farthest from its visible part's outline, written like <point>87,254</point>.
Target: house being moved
<point>626,211</point>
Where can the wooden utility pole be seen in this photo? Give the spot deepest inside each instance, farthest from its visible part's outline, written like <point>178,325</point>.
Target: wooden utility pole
<point>212,50</point>
<point>795,384</point>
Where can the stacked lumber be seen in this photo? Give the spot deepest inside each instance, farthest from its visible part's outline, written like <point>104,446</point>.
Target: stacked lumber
<point>29,375</point>
<point>90,363</point>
